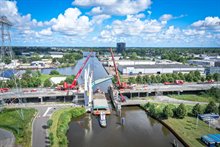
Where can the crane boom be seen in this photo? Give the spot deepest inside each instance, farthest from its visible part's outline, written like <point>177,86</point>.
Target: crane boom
<point>73,85</point>
<point>119,84</point>
<point>116,70</point>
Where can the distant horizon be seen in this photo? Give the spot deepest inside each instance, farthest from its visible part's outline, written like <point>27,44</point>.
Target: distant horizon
<point>87,23</point>
<point>112,47</point>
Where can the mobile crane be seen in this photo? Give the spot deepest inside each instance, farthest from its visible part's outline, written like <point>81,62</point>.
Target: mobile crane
<point>74,83</point>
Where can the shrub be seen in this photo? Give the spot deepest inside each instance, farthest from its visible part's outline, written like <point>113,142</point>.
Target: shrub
<point>211,108</point>
<point>167,111</point>
<point>49,123</point>
<point>54,72</point>
<point>181,111</point>
<point>197,109</point>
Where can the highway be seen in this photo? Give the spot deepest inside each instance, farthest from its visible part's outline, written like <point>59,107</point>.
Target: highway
<point>169,88</point>
<point>36,93</point>
<point>48,92</point>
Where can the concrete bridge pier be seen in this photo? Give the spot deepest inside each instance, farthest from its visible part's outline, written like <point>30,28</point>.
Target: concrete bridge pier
<point>41,99</point>
<point>147,94</point>
<point>138,94</point>
<point>131,95</point>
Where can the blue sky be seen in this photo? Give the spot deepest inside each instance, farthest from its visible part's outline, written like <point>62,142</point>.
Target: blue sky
<point>141,23</point>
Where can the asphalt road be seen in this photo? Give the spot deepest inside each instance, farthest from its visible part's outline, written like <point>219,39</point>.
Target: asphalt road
<point>40,131</point>
<point>7,138</point>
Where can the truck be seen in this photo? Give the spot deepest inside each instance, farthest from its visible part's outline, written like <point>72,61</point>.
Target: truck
<point>176,82</point>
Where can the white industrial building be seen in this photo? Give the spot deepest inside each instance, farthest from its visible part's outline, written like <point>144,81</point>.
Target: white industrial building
<point>204,63</point>
<point>140,62</point>
<point>56,54</point>
<point>157,69</point>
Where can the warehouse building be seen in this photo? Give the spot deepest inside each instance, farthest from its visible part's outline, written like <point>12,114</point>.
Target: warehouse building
<point>157,69</point>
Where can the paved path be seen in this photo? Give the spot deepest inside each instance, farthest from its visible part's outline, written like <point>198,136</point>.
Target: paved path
<point>167,99</point>
<point>7,138</point>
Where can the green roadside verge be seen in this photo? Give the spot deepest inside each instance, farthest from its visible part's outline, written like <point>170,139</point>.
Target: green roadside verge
<point>60,125</point>
<point>192,97</point>
<point>18,121</point>
<point>44,77</point>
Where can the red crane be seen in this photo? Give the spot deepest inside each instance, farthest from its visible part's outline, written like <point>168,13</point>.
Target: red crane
<point>119,84</point>
<point>73,85</point>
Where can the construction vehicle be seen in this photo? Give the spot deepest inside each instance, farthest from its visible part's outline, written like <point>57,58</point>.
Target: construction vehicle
<point>176,82</point>
<point>120,85</point>
<point>66,86</point>
<point>3,90</point>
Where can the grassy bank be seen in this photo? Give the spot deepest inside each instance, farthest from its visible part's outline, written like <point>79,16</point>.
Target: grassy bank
<point>187,130</point>
<point>186,127</point>
<point>20,125</point>
<point>192,97</point>
<point>59,128</point>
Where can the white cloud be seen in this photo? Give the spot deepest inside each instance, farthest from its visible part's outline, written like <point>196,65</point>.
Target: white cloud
<point>46,32</point>
<point>115,7</point>
<point>72,23</point>
<point>166,17</point>
<point>98,19</point>
<point>210,23</point>
<point>131,26</point>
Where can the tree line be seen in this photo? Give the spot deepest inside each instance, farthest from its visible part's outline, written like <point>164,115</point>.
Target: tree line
<point>164,112</point>
<point>193,76</point>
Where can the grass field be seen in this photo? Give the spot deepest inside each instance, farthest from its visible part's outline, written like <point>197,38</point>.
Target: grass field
<point>20,125</point>
<point>186,128</point>
<point>192,97</point>
<point>61,119</point>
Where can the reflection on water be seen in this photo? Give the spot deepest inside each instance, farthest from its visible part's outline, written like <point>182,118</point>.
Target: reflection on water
<point>138,131</point>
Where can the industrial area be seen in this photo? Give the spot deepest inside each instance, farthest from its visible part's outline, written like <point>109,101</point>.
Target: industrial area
<point>103,85</point>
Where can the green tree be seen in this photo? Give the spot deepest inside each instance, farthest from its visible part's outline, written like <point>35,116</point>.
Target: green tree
<point>134,56</point>
<point>54,72</point>
<point>49,123</point>
<point>181,111</point>
<point>158,78</point>
<point>47,83</point>
<point>131,80</point>
<point>211,108</point>
<point>164,78</point>
<point>189,77</point>
<point>167,111</point>
<point>139,79</point>
<point>170,79</point>
<point>216,76</point>
<point>202,79</point>
<point>197,109</point>
<point>7,60</point>
<point>209,77</point>
<point>146,79</point>
<point>70,79</point>
<point>153,79</point>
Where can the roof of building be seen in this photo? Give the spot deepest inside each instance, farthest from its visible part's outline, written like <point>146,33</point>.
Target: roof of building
<point>159,66</point>
<point>57,80</point>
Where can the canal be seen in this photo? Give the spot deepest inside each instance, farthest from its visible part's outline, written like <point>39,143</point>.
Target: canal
<point>139,130</point>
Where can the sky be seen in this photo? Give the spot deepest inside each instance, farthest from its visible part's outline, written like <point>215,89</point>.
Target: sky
<point>103,23</point>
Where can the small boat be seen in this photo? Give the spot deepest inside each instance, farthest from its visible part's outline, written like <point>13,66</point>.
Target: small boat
<point>102,119</point>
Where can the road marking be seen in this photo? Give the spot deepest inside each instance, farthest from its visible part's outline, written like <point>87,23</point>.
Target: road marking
<point>48,109</point>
